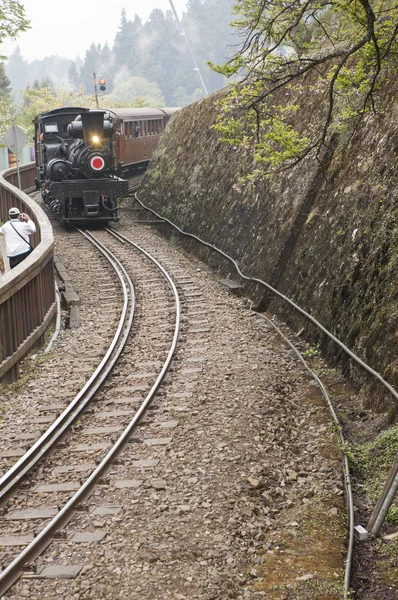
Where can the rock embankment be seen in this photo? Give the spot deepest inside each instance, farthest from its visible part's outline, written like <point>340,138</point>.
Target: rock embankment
<point>326,237</point>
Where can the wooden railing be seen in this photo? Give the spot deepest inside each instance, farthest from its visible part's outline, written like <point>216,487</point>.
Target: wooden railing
<point>27,292</point>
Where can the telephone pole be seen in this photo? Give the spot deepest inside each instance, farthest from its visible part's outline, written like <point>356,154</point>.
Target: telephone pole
<point>96,91</point>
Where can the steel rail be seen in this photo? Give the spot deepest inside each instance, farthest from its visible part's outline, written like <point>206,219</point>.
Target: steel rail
<point>133,189</point>
<point>47,441</point>
<point>65,514</point>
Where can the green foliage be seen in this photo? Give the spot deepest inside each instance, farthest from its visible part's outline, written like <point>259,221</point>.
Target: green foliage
<point>268,134</point>
<point>6,114</point>
<point>387,566</point>
<point>393,515</point>
<point>181,98</point>
<point>5,90</point>
<point>330,57</point>
<point>38,100</point>
<point>12,19</point>
<point>6,108</point>
<point>136,91</point>
<point>374,460</point>
<point>312,351</point>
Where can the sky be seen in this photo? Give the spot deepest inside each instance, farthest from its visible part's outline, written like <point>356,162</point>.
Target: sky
<point>68,28</point>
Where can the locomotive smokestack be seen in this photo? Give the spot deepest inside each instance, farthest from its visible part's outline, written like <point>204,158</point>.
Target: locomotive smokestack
<point>93,126</point>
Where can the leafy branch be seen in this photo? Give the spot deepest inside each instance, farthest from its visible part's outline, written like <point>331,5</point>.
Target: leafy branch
<point>332,54</point>
<point>12,19</point>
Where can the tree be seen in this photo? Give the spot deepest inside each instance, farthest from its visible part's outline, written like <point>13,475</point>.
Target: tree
<point>73,76</point>
<point>181,98</point>
<point>12,19</point>
<point>17,72</point>
<point>12,22</point>
<point>157,51</point>
<point>5,86</point>
<point>137,91</point>
<point>47,83</point>
<point>122,44</point>
<point>6,115</point>
<point>330,54</point>
<point>91,65</point>
<point>209,22</point>
<point>126,41</point>
<point>158,59</point>
<point>41,99</point>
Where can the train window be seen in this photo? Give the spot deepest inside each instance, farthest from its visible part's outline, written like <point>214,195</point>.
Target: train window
<point>135,131</point>
<point>51,128</point>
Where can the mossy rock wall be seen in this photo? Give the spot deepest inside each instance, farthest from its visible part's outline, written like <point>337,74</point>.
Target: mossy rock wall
<point>329,243</point>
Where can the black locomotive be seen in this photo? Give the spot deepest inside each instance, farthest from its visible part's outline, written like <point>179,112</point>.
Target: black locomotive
<point>77,162</point>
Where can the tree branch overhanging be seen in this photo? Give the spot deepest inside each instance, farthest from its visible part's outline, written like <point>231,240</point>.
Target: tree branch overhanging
<point>338,50</point>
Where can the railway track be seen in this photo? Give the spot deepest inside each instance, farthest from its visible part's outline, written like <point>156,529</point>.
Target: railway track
<point>174,514</point>
<point>109,425</point>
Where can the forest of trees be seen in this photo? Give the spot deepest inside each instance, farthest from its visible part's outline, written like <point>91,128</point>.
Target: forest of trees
<point>148,63</point>
<point>280,56</point>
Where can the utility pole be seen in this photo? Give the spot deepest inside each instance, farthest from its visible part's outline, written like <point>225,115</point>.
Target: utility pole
<point>195,64</point>
<point>96,91</point>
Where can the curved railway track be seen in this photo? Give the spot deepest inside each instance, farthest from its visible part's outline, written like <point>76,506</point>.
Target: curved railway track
<point>139,367</point>
<point>106,442</point>
<point>16,474</point>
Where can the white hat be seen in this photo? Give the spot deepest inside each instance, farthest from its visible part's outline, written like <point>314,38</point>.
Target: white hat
<point>14,212</point>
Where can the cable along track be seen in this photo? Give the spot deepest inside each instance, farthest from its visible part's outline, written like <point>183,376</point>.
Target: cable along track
<point>17,475</point>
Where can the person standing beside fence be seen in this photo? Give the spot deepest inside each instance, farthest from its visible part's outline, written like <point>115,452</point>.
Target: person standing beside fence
<point>16,233</point>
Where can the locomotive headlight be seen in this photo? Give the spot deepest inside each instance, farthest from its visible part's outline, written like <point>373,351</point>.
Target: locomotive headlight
<point>96,139</point>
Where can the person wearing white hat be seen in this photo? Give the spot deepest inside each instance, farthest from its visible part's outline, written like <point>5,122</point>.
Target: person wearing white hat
<point>16,233</point>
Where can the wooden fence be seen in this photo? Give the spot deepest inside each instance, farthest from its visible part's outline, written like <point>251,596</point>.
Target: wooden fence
<point>27,293</point>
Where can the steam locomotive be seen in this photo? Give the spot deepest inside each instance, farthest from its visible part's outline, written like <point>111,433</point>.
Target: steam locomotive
<point>81,153</point>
